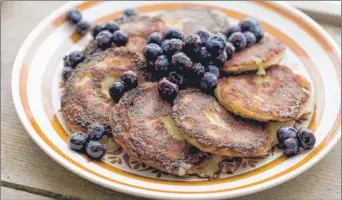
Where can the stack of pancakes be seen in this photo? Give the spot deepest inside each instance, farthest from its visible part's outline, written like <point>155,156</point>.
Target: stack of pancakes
<point>198,131</point>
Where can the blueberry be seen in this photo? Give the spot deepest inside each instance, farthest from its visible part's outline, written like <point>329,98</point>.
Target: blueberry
<point>74,58</point>
<point>250,38</point>
<point>204,56</point>
<point>161,66</point>
<point>248,24</point>
<point>66,73</point>
<point>192,45</point>
<point>232,29</point>
<point>198,70</point>
<point>130,79</point>
<point>306,138</point>
<point>96,131</point>
<point>252,26</point>
<point>204,35</point>
<point>290,147</point>
<point>182,62</point>
<point>213,69</point>
<point>167,90</point>
<point>173,33</point>
<point>95,150</point>
<point>177,79</point>
<point>220,59</point>
<point>173,46</point>
<point>230,50</point>
<point>112,27</point>
<point>215,45</point>
<point>238,40</point>
<point>104,39</point>
<point>208,82</point>
<point>221,35</point>
<point>116,90</point>
<point>77,141</point>
<point>120,38</point>
<point>74,16</point>
<point>285,132</point>
<point>83,27</point>
<point>156,38</point>
<point>130,12</point>
<point>152,51</point>
<point>164,43</point>
<point>97,28</point>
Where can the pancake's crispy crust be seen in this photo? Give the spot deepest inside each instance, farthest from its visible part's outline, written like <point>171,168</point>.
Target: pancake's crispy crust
<point>209,127</point>
<point>191,20</point>
<point>138,29</point>
<point>85,99</point>
<point>280,95</point>
<point>142,124</point>
<point>269,51</point>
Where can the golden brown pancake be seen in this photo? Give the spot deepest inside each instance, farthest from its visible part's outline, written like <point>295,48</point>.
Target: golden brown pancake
<point>191,20</point>
<point>267,52</point>
<point>85,99</point>
<point>280,95</point>
<point>209,127</point>
<point>142,124</point>
<point>138,29</point>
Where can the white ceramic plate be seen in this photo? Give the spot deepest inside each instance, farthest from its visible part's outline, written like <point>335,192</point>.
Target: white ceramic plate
<point>35,85</point>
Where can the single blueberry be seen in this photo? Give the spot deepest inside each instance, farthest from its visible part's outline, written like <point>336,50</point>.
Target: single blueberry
<point>290,147</point>
<point>204,35</point>
<point>215,45</point>
<point>74,58</point>
<point>306,138</point>
<point>112,27</point>
<point>74,16</point>
<point>232,29</point>
<point>208,82</point>
<point>130,12</point>
<point>96,131</point>
<point>182,62</point>
<point>97,28</point>
<point>130,79</point>
<point>162,66</point>
<point>250,38</point>
<point>104,39</point>
<point>120,38</point>
<point>220,59</point>
<point>173,46</point>
<point>164,43</point>
<point>285,132</point>
<point>230,50</point>
<point>198,70</point>
<point>192,45</point>
<point>238,40</point>
<point>152,51</point>
<point>77,141</point>
<point>167,90</point>
<point>156,38</point>
<point>173,33</point>
<point>83,27</point>
<point>116,90</point>
<point>177,79</point>
<point>66,73</point>
<point>204,56</point>
<point>213,69</point>
<point>95,150</point>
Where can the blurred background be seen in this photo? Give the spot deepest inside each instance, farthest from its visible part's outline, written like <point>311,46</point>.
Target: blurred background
<point>33,175</point>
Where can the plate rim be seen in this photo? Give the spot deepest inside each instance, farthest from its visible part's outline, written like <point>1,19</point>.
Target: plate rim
<point>48,150</point>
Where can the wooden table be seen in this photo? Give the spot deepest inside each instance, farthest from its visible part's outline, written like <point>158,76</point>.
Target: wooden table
<point>28,173</point>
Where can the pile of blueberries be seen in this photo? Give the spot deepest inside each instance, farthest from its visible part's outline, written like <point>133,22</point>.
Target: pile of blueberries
<point>291,141</point>
<point>75,17</point>
<point>194,61</point>
<point>89,144</point>
<point>106,34</point>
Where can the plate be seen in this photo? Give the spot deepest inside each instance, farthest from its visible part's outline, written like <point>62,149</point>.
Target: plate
<point>36,89</point>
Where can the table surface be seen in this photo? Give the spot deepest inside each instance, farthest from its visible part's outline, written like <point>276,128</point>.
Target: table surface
<point>28,173</point>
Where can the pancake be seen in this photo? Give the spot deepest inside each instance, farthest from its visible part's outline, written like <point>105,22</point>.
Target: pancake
<point>209,127</point>
<point>191,20</point>
<point>280,95</point>
<point>267,52</point>
<point>138,29</point>
<point>142,124</point>
<point>85,99</point>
